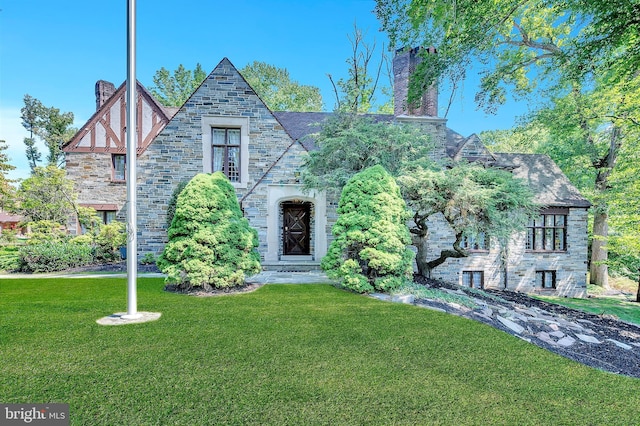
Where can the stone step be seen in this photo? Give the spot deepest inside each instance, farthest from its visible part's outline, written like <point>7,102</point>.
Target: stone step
<point>291,266</point>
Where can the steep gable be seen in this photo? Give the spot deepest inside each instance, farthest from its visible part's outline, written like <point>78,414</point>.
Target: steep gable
<point>105,130</point>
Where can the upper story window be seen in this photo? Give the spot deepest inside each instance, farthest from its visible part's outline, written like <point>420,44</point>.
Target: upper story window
<point>225,147</point>
<point>548,232</point>
<point>118,167</point>
<point>225,155</point>
<point>478,242</point>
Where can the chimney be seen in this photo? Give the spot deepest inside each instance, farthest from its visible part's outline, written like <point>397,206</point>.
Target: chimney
<point>404,63</point>
<point>104,90</point>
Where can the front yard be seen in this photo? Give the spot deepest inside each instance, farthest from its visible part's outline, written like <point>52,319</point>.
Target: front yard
<point>285,354</point>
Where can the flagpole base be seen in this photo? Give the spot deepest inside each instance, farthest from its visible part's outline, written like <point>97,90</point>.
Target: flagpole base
<point>122,318</point>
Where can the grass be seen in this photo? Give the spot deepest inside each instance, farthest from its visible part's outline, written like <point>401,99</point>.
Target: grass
<point>623,308</point>
<point>285,354</point>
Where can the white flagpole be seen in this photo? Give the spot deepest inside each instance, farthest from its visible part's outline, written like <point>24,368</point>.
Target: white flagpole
<point>132,214</point>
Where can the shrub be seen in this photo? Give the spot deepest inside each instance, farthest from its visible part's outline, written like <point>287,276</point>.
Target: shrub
<point>210,244</point>
<point>46,230</point>
<point>148,259</point>
<point>9,258</point>
<point>173,201</point>
<point>50,256</point>
<point>370,250</point>
<point>109,240</point>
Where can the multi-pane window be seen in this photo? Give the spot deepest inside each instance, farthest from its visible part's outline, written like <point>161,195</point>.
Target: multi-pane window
<point>478,242</point>
<point>473,279</point>
<point>547,232</point>
<point>118,167</point>
<point>546,279</point>
<point>226,152</point>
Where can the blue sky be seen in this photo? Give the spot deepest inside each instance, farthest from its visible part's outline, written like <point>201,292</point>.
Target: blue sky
<point>55,51</point>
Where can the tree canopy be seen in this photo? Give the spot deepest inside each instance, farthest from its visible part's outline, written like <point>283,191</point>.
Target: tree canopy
<point>6,189</point>
<point>579,57</point>
<point>174,88</point>
<point>350,143</point>
<point>278,91</point>
<point>49,124</point>
<point>47,195</point>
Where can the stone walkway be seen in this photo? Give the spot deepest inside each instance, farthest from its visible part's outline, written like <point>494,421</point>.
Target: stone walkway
<point>276,277</point>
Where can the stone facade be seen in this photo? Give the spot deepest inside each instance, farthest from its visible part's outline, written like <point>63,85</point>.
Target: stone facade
<point>272,151</point>
<point>270,164</point>
<point>569,266</point>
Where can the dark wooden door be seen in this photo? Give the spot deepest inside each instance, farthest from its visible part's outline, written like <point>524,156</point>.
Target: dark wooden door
<point>295,232</point>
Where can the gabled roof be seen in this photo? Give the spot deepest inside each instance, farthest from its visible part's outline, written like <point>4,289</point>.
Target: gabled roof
<point>550,186</point>
<point>105,130</point>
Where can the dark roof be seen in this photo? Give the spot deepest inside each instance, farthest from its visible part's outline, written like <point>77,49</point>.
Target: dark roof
<point>302,125</point>
<point>550,186</point>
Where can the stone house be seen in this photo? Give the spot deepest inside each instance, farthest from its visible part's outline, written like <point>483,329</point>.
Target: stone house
<point>225,126</point>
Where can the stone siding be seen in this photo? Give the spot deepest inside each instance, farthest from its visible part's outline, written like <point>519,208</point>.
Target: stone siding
<point>91,174</point>
<point>570,266</point>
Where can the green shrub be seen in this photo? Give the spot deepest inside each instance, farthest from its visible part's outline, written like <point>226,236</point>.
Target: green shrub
<point>109,240</point>
<point>9,258</point>
<point>46,230</point>
<point>50,256</point>
<point>210,244</point>
<point>173,201</point>
<point>148,259</point>
<point>370,250</point>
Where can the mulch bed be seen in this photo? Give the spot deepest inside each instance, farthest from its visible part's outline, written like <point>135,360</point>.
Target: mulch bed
<point>605,356</point>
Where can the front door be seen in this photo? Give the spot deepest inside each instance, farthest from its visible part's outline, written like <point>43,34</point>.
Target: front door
<point>295,231</point>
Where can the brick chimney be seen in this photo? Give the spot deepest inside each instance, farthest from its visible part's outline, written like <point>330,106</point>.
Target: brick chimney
<point>104,90</point>
<point>404,63</point>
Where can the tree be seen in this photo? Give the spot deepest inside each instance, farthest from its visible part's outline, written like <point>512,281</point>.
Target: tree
<point>357,92</point>
<point>6,189</point>
<point>370,250</point>
<point>472,199</point>
<point>47,195</point>
<point>574,51</point>
<point>350,143</point>
<point>173,90</point>
<point>278,91</point>
<point>211,244</point>
<point>49,124</point>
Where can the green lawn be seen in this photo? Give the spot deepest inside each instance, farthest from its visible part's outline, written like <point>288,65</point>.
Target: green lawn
<point>285,354</point>
<point>624,309</point>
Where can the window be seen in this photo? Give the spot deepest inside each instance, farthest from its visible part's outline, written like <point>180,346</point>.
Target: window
<point>226,152</point>
<point>473,279</point>
<point>478,242</point>
<point>547,232</point>
<point>107,216</point>
<point>546,279</point>
<point>118,167</point>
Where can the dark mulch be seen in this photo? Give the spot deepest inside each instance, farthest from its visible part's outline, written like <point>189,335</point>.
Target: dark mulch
<point>605,356</point>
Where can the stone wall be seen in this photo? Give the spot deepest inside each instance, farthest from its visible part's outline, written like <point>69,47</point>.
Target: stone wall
<point>178,153</point>
<point>91,174</point>
<point>570,266</point>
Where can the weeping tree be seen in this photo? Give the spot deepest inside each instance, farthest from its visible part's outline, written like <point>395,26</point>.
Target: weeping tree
<point>472,200</point>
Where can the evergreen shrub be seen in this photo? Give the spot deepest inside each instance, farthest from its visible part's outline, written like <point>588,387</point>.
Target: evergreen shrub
<point>211,244</point>
<point>370,250</point>
<point>51,256</point>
